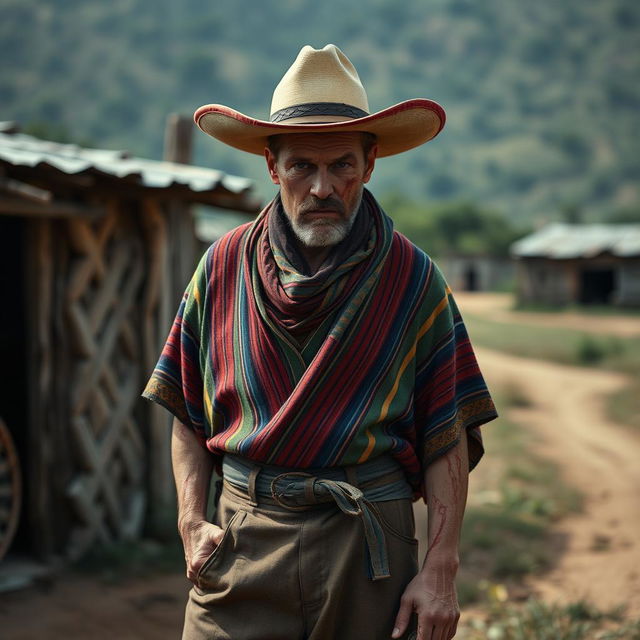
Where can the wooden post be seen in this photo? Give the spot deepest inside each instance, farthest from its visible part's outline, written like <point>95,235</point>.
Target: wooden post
<point>158,311</point>
<point>178,139</point>
<point>41,412</point>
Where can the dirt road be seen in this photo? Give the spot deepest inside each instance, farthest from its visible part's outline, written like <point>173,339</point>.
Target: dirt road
<point>499,307</point>
<point>601,546</point>
<point>84,608</point>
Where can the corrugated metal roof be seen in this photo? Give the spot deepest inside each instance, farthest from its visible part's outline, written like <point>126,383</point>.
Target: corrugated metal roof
<point>563,241</point>
<point>211,226</point>
<point>26,151</point>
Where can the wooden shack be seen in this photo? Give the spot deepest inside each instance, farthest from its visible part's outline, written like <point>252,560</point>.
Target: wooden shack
<point>96,248</point>
<point>588,264</point>
<point>476,272</point>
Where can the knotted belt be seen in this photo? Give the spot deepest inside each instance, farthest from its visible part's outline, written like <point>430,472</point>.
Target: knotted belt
<point>379,480</point>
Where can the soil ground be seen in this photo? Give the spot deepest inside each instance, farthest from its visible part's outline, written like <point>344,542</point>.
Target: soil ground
<point>598,555</point>
<point>598,549</point>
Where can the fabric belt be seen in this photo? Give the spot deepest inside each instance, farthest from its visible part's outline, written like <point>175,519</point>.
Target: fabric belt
<point>378,480</point>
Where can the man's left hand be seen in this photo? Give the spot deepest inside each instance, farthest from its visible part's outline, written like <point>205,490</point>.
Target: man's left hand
<point>432,596</point>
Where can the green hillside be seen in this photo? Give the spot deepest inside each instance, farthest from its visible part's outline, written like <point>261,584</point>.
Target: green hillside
<point>542,97</point>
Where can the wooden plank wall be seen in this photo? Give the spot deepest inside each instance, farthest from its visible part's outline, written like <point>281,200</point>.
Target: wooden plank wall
<point>104,292</point>
<point>171,259</point>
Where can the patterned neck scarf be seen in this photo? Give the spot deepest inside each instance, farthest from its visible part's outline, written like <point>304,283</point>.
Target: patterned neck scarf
<point>298,302</point>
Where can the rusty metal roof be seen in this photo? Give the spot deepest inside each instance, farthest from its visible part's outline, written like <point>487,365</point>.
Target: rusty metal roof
<point>22,150</point>
<point>564,241</point>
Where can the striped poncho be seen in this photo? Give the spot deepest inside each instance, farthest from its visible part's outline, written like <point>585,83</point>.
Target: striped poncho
<point>273,365</point>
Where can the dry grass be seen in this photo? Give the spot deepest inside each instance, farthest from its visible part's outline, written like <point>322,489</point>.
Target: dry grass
<point>539,621</point>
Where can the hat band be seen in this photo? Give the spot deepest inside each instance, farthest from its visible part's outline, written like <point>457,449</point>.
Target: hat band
<point>318,109</point>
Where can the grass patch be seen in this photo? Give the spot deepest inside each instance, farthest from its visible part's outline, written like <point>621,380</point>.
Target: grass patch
<point>624,405</point>
<point>567,346</point>
<point>509,545</point>
<point>558,344</point>
<point>591,310</point>
<point>538,621</point>
<point>507,527</point>
<point>512,395</point>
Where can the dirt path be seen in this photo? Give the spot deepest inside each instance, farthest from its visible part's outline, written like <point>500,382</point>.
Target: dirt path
<point>84,608</point>
<point>601,546</point>
<point>498,307</point>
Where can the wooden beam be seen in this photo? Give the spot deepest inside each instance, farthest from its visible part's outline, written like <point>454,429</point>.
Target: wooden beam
<point>132,527</point>
<point>41,412</point>
<point>226,200</point>
<point>17,207</point>
<point>108,296</point>
<point>157,312</point>
<point>91,245</point>
<point>87,509</point>
<point>89,373</point>
<point>178,138</point>
<point>80,331</point>
<point>25,190</point>
<point>48,177</point>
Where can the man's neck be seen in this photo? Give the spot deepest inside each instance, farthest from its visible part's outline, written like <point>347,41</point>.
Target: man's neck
<point>315,256</point>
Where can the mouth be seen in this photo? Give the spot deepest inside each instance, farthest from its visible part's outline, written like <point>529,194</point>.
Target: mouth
<point>322,208</point>
<point>324,213</point>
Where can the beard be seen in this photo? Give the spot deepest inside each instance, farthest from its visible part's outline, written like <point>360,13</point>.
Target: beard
<point>322,232</point>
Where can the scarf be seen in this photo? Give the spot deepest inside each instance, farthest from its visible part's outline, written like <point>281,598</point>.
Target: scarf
<point>299,303</point>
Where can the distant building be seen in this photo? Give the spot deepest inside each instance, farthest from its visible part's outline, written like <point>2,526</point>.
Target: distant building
<point>590,264</point>
<point>468,272</point>
<point>96,248</point>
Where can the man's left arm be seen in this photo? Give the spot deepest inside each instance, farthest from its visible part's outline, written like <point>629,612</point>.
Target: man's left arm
<point>432,593</point>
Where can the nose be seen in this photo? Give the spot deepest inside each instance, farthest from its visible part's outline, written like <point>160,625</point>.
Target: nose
<point>321,186</point>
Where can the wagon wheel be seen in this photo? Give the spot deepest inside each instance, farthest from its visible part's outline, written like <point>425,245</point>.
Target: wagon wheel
<point>10,489</point>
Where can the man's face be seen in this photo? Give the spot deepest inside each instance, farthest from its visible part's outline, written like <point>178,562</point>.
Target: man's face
<point>321,177</point>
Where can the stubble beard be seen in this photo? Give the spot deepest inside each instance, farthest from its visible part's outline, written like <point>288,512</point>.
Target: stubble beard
<point>324,233</point>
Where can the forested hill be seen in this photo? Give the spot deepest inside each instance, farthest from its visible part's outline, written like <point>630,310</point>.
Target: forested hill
<point>542,96</point>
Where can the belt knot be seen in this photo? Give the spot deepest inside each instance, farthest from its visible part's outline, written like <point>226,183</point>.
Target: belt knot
<point>296,490</point>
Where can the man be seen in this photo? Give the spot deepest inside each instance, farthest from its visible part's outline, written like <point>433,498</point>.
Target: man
<point>319,362</point>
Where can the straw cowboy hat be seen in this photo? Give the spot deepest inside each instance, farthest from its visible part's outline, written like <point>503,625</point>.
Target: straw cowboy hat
<point>321,92</point>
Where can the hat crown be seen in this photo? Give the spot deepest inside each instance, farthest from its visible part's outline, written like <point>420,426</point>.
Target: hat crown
<point>320,76</point>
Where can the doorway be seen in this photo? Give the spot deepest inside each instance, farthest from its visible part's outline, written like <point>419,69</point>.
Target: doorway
<point>597,286</point>
<point>470,279</point>
<point>13,351</point>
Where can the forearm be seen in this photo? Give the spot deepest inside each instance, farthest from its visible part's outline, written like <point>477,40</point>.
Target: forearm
<point>432,593</point>
<point>192,469</point>
<point>446,482</point>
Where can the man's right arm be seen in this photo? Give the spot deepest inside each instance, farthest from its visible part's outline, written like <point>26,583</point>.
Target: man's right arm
<point>192,469</point>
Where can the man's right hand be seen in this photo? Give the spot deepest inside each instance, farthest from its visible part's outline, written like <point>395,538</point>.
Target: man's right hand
<point>199,540</point>
<point>192,469</point>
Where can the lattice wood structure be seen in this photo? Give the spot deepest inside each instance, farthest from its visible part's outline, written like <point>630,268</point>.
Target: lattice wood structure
<point>105,262</point>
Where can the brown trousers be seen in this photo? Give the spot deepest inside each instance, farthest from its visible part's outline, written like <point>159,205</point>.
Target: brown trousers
<point>292,575</point>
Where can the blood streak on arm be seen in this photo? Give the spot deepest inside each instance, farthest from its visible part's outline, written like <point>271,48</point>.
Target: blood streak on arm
<point>438,514</point>
<point>446,481</point>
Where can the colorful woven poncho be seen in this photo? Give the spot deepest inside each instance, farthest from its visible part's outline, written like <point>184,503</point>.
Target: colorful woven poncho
<point>367,357</point>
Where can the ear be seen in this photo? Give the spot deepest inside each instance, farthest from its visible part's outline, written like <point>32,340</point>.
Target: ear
<point>370,163</point>
<point>272,165</point>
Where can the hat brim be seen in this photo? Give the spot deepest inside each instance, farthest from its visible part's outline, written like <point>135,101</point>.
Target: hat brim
<point>398,128</point>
